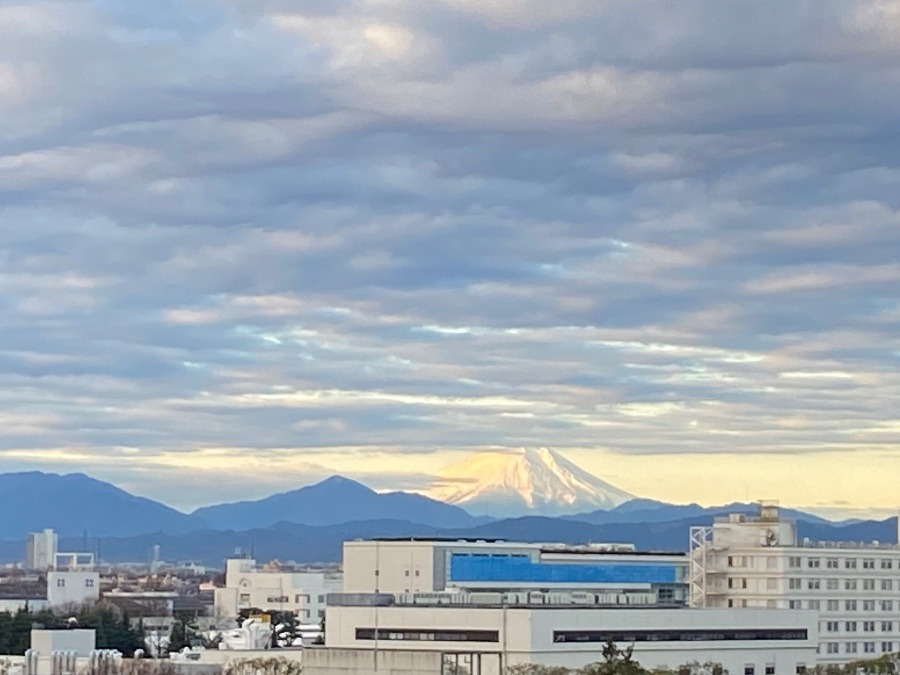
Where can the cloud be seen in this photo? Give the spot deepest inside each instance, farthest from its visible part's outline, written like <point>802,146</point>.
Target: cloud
<point>362,237</point>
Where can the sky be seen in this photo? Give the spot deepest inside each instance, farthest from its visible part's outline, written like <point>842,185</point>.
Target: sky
<point>247,244</point>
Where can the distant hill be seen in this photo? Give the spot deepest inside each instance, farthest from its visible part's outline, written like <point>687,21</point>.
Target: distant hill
<point>72,503</point>
<point>650,511</point>
<point>323,543</point>
<point>334,500</point>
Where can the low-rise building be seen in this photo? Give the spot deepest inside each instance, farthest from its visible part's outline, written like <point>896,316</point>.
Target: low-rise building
<point>72,588</point>
<point>302,591</point>
<point>491,637</point>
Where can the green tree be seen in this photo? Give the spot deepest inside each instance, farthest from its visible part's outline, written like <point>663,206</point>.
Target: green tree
<point>615,662</point>
<point>184,630</point>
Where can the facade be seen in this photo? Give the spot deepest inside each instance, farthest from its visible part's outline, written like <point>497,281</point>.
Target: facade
<point>757,562</point>
<point>250,587</point>
<point>488,639</point>
<point>72,588</point>
<point>40,550</point>
<point>434,566</point>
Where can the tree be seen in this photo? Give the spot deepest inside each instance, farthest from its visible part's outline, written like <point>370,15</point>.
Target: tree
<point>615,662</point>
<point>184,630</point>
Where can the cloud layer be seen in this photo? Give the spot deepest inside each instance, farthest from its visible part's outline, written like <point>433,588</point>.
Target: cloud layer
<point>246,244</point>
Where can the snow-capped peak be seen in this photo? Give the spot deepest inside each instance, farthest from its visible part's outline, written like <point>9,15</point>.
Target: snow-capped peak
<point>530,480</point>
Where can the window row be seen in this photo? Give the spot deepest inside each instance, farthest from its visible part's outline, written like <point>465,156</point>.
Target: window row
<point>852,626</point>
<point>795,583</point>
<point>853,647</point>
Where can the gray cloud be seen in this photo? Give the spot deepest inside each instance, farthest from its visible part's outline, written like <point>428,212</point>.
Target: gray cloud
<point>363,227</point>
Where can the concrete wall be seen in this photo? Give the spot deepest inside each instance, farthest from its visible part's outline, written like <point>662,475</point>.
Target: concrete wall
<point>81,640</point>
<point>72,588</point>
<point>390,567</point>
<point>363,662</point>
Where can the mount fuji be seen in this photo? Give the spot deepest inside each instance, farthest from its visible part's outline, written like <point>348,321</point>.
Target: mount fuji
<point>522,482</point>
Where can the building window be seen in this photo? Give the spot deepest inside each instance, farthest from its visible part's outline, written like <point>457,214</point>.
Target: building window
<point>887,565</point>
<point>850,563</point>
<point>60,583</point>
<point>794,561</point>
<point>833,605</point>
<point>832,626</point>
<point>868,626</point>
<point>406,573</point>
<point>794,584</point>
<point>887,647</point>
<point>868,584</point>
<point>849,584</point>
<point>887,605</point>
<point>813,584</point>
<point>321,599</point>
<point>814,604</point>
<point>801,669</point>
<point>244,598</point>
<point>730,561</point>
<point>770,669</point>
<point>417,572</point>
<point>869,647</point>
<point>813,562</point>
<point>748,670</point>
<point>850,626</point>
<point>88,583</point>
<point>868,605</point>
<point>868,564</point>
<point>887,584</point>
<point>887,626</point>
<point>832,584</point>
<point>850,605</point>
<point>831,563</point>
<point>831,648</point>
<point>277,599</point>
<point>850,648</point>
<point>432,635</point>
<point>794,604</point>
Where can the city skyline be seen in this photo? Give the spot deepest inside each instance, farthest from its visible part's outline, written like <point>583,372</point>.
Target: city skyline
<point>249,245</point>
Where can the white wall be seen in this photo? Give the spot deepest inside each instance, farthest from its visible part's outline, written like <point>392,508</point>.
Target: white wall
<point>78,588</point>
<point>81,640</point>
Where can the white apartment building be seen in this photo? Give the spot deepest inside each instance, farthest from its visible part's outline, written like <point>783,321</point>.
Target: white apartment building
<point>40,550</point>
<point>757,562</point>
<point>248,586</point>
<point>72,588</point>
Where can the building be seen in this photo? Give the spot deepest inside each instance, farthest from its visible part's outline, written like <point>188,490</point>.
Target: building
<point>486,639</point>
<point>74,562</point>
<point>248,586</point>
<point>72,588</point>
<point>757,562</point>
<point>40,550</point>
<point>436,565</point>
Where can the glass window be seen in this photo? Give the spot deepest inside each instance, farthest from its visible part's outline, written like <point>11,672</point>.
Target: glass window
<point>850,563</point>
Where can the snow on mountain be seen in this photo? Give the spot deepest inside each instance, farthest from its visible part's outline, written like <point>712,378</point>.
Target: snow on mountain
<point>531,480</point>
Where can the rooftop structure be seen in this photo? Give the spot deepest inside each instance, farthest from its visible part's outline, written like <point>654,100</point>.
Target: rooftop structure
<point>437,565</point>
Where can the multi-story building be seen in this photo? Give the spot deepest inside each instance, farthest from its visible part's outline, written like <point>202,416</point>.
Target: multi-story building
<point>40,550</point>
<point>247,586</point>
<point>757,562</point>
<point>400,566</point>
